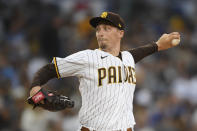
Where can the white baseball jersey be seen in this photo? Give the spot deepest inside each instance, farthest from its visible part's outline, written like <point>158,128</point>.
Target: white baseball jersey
<point>107,85</point>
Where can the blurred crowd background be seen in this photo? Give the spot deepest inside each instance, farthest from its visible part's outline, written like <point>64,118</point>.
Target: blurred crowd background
<point>32,32</point>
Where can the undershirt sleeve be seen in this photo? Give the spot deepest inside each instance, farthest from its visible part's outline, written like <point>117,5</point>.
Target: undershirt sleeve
<point>43,75</point>
<point>140,52</point>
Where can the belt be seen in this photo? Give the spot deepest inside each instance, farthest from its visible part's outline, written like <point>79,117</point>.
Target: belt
<point>86,129</point>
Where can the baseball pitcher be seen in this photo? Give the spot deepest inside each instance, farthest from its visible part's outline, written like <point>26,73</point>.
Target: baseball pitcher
<point>107,77</point>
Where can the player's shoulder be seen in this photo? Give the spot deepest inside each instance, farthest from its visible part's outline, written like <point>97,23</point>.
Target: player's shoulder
<point>92,51</point>
<point>127,55</point>
<point>86,51</point>
<point>81,53</point>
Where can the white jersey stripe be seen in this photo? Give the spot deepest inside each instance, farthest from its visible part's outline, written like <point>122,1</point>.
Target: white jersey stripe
<point>111,113</point>
<point>100,93</point>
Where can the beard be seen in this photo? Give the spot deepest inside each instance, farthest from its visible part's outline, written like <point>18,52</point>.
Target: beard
<point>103,46</point>
<point>102,43</point>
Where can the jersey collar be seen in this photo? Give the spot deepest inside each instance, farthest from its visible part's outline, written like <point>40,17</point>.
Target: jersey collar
<point>108,54</point>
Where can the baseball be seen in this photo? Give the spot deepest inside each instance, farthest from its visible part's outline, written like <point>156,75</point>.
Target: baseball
<point>175,42</point>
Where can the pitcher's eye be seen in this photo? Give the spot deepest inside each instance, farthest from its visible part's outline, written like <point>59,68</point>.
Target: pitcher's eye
<point>97,29</point>
<point>107,28</point>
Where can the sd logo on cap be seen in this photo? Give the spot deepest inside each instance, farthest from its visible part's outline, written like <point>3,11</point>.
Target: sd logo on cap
<point>110,17</point>
<point>104,15</point>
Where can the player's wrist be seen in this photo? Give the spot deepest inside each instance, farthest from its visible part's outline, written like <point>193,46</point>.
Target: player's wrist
<point>159,48</point>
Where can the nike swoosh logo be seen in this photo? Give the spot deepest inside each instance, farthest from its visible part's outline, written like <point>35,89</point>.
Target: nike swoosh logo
<point>102,57</point>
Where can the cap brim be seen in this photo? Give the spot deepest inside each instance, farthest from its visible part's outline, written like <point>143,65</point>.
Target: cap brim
<point>96,20</point>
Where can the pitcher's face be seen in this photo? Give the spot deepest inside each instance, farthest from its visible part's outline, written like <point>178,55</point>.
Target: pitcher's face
<point>108,35</point>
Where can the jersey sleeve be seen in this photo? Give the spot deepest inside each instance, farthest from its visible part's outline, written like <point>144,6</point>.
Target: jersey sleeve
<point>72,65</point>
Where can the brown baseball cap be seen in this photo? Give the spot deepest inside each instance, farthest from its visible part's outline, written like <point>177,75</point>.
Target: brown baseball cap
<point>110,17</point>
